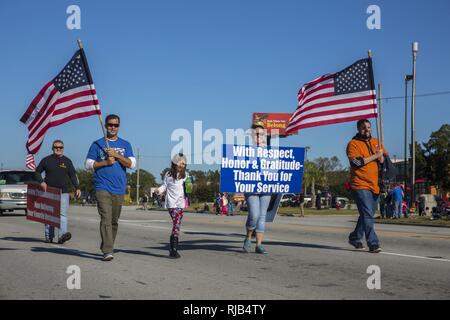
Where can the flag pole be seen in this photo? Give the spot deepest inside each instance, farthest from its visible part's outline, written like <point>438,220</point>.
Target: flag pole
<point>369,53</point>
<point>81,46</point>
<point>381,114</point>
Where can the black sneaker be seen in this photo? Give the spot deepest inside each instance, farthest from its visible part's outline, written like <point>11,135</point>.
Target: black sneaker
<point>174,254</point>
<point>65,237</point>
<point>375,249</point>
<point>48,240</point>
<point>357,245</point>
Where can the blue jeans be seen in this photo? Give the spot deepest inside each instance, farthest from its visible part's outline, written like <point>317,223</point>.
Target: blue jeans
<point>398,209</point>
<point>366,202</point>
<point>50,230</point>
<point>257,210</point>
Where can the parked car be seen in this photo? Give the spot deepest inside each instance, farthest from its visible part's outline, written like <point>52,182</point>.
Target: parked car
<point>441,210</point>
<point>286,199</point>
<point>308,201</point>
<point>13,189</point>
<point>343,201</point>
<point>427,201</point>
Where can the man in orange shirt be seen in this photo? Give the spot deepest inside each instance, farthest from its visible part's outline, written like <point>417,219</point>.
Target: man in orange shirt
<point>364,154</point>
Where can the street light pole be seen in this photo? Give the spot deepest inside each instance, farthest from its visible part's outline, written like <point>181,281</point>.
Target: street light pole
<point>407,78</point>
<point>137,179</point>
<point>415,49</point>
<point>306,153</point>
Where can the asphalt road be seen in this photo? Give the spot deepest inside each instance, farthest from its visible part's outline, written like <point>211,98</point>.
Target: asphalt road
<point>309,258</point>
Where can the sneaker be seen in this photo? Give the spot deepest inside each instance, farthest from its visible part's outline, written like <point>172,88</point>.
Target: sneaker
<point>260,249</point>
<point>65,237</point>
<point>247,245</point>
<point>48,240</point>
<point>357,245</point>
<point>375,249</point>
<point>108,257</point>
<point>174,254</point>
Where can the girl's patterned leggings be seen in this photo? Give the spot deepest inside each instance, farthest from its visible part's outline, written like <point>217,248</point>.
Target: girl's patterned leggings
<point>177,215</point>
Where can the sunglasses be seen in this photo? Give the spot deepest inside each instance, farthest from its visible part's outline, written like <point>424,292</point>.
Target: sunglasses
<point>257,134</point>
<point>58,147</point>
<point>113,125</point>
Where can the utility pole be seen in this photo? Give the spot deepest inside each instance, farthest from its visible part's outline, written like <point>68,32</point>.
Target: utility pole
<point>306,159</point>
<point>380,100</point>
<point>137,180</point>
<point>415,49</point>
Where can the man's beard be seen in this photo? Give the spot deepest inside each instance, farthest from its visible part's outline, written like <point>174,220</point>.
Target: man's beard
<point>365,136</point>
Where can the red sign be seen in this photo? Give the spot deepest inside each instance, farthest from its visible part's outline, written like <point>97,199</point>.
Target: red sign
<point>44,207</point>
<point>275,123</point>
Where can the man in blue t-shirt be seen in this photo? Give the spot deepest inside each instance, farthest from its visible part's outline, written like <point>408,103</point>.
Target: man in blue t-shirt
<point>397,197</point>
<point>110,180</point>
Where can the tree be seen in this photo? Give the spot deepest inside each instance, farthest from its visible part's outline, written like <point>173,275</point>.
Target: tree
<point>311,176</point>
<point>206,185</point>
<point>86,180</point>
<point>146,182</point>
<point>336,181</point>
<point>197,175</point>
<point>324,172</point>
<point>437,152</point>
<point>326,167</point>
<point>422,165</point>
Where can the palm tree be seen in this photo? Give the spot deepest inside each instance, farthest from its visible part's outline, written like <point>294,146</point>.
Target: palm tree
<point>313,174</point>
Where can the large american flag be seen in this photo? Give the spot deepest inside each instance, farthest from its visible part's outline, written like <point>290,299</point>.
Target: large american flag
<point>347,95</point>
<point>70,95</point>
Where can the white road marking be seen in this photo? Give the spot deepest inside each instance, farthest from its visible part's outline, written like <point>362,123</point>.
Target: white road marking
<point>411,256</point>
<point>120,220</point>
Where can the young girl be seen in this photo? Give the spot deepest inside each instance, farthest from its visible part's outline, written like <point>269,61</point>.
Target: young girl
<point>173,185</point>
<point>224,205</point>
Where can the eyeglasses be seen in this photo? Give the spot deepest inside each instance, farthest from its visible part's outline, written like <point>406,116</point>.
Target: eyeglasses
<point>58,147</point>
<point>113,125</point>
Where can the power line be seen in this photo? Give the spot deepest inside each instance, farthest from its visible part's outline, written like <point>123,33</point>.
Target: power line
<point>168,156</point>
<point>431,94</point>
<point>418,95</point>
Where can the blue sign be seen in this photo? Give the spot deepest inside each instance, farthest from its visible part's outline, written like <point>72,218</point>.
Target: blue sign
<point>252,169</point>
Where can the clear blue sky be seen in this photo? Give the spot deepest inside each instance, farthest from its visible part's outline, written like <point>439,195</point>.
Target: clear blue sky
<point>161,65</point>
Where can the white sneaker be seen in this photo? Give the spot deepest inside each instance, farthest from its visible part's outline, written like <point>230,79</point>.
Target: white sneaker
<point>108,257</point>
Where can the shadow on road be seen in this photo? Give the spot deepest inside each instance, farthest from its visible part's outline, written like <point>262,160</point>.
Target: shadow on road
<point>305,245</point>
<point>22,239</point>
<point>192,245</point>
<point>218,234</point>
<point>143,253</point>
<point>211,245</point>
<point>69,252</point>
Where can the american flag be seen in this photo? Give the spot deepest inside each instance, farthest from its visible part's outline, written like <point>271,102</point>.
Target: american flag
<point>70,95</point>
<point>30,163</point>
<point>347,95</point>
